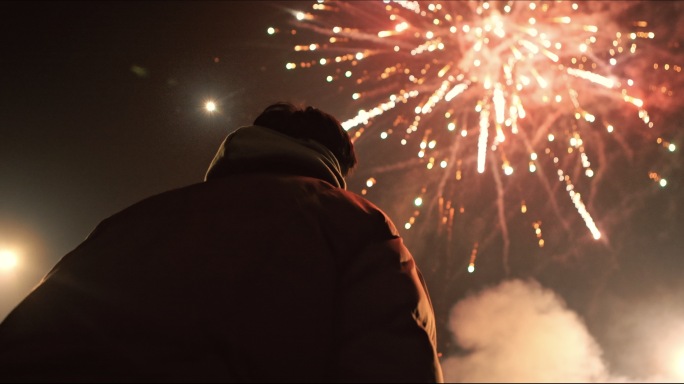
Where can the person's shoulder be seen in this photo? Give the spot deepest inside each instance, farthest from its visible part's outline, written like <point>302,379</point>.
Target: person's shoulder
<point>351,207</point>
<point>351,198</point>
<point>165,202</point>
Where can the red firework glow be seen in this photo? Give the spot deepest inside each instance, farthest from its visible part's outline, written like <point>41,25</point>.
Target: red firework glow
<point>496,88</point>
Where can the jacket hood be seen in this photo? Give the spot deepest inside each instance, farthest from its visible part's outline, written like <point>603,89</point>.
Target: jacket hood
<point>259,149</point>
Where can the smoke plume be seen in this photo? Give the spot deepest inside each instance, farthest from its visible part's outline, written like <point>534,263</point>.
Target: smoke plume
<point>520,331</point>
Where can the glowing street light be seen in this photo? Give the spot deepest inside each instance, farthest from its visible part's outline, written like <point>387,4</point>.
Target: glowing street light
<point>8,260</point>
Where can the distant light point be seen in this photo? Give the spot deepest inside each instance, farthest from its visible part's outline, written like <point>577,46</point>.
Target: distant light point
<point>139,71</point>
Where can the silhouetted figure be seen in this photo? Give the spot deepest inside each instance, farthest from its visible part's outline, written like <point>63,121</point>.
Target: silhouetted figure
<point>269,271</point>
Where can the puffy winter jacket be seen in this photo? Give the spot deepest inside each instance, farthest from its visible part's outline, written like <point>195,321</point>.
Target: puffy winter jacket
<point>269,271</point>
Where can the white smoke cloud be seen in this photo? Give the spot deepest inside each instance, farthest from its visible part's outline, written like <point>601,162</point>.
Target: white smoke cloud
<point>520,331</point>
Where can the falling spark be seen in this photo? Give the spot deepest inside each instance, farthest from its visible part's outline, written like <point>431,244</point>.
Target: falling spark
<point>473,256</point>
<point>538,232</point>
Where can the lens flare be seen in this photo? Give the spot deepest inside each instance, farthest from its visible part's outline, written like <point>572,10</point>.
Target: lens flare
<point>678,366</point>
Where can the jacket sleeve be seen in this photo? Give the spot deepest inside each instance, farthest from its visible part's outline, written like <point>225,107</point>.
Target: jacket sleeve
<point>387,320</point>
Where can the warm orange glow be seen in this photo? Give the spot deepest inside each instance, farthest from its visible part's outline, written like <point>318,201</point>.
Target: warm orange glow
<point>8,260</point>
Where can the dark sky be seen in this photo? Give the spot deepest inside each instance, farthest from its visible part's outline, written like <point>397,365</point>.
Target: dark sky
<point>83,135</point>
<point>102,105</point>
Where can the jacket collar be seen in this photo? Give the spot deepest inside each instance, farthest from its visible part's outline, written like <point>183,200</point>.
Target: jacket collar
<point>259,149</point>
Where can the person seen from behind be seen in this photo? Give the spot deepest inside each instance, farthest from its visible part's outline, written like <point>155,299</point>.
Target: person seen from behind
<point>267,271</point>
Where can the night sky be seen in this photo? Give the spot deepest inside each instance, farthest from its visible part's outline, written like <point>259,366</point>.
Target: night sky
<point>102,105</point>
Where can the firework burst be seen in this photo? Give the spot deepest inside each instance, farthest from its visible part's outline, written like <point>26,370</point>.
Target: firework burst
<point>523,92</point>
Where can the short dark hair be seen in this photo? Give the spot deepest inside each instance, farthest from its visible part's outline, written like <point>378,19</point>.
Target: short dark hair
<point>310,123</point>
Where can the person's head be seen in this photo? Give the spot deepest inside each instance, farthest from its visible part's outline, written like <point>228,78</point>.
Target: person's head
<point>311,123</point>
